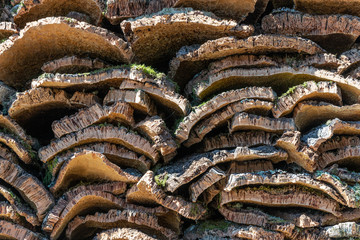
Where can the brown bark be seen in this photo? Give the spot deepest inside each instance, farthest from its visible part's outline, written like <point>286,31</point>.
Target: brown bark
<point>138,99</point>
<point>119,112</point>
<point>177,27</point>
<point>90,166</point>
<point>94,134</point>
<point>350,7</point>
<point>338,142</point>
<point>17,146</point>
<point>245,121</point>
<point>216,103</point>
<point>22,57</point>
<point>250,166</point>
<point>350,61</point>
<point>155,129</point>
<point>10,230</point>
<point>7,29</point>
<point>123,234</point>
<point>221,117</point>
<point>30,188</point>
<point>344,174</point>
<point>73,65</point>
<point>167,99</point>
<point>324,91</point>
<point>190,60</point>
<point>343,230</point>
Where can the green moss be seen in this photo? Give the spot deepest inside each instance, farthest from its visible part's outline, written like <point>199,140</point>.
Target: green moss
<point>50,165</point>
<point>195,209</point>
<point>292,89</point>
<point>161,180</point>
<point>213,225</point>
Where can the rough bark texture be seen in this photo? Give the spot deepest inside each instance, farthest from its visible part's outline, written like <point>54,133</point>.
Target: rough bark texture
<point>250,166</point>
<point>330,7</point>
<point>192,59</point>
<point>7,29</point>
<point>138,99</point>
<point>156,38</point>
<point>123,233</point>
<point>10,230</point>
<point>26,53</point>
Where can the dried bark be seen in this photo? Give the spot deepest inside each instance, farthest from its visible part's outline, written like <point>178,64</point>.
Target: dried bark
<point>216,103</point>
<point>238,139</point>
<point>94,134</point>
<point>31,102</point>
<point>250,166</point>
<point>344,174</point>
<point>81,227</point>
<point>146,191</point>
<point>30,188</point>
<point>10,230</point>
<point>155,129</point>
<point>115,153</point>
<point>242,121</point>
<point>350,7</point>
<point>298,152</point>
<point>22,56</point>
<point>119,112</point>
<point>347,154</point>
<point>167,99</point>
<point>90,166</point>
<point>289,196</point>
<point>138,99</point>
<point>280,78</point>
<point>221,117</point>
<point>7,29</point>
<point>34,10</point>
<point>17,146</point>
<point>325,91</point>
<point>320,134</point>
<point>343,230</point>
<point>334,33</point>
<point>190,60</point>
<point>339,142</point>
<point>100,79</point>
<point>123,233</point>
<point>73,65</point>
<point>177,27</point>
<point>350,62</point>
<point>312,113</point>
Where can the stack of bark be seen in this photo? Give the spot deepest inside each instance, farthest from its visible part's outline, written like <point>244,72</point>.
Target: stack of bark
<point>253,133</point>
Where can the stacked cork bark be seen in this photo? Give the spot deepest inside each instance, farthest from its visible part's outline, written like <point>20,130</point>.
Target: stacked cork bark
<point>180,119</point>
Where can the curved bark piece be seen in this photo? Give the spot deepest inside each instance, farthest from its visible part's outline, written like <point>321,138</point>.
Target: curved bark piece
<point>350,62</point>
<point>298,152</point>
<point>7,212</point>
<point>214,175</point>
<point>279,177</point>
<point>247,121</point>
<point>33,101</point>
<point>344,174</point>
<point>34,10</point>
<point>119,112</point>
<point>312,113</point>
<point>325,91</point>
<point>101,79</point>
<point>166,98</point>
<point>30,188</point>
<point>343,230</point>
<point>221,229</point>
<point>188,168</point>
<point>347,154</point>
<point>250,166</point>
<point>93,134</point>
<point>123,234</point>
<point>320,134</point>
<point>7,29</point>
<point>293,196</point>
<point>216,103</point>
<point>178,27</point>
<point>10,230</point>
<point>334,33</point>
<point>350,7</point>
<point>147,191</point>
<point>115,153</point>
<point>73,64</point>
<point>90,165</point>
<point>338,142</point>
<point>279,78</point>
<point>57,32</point>
<point>222,116</point>
<point>190,60</point>
<point>18,147</point>
<point>238,139</point>
<point>81,227</point>
<point>155,128</point>
<point>138,99</point>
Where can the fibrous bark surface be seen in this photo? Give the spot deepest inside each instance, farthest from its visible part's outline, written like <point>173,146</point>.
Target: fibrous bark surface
<point>330,7</point>
<point>10,230</point>
<point>23,56</point>
<point>123,234</point>
<point>156,38</point>
<point>7,29</point>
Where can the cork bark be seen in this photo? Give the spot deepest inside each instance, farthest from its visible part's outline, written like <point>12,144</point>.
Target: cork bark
<point>324,91</point>
<point>138,99</point>
<point>190,60</point>
<point>119,112</point>
<point>250,166</point>
<point>218,102</point>
<point>350,61</point>
<point>330,7</point>
<point>177,27</point>
<point>347,154</point>
<point>338,142</point>
<point>123,233</point>
<point>73,65</point>
<point>11,230</point>
<point>23,56</point>
<point>343,230</point>
<point>7,29</point>
<point>94,134</point>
